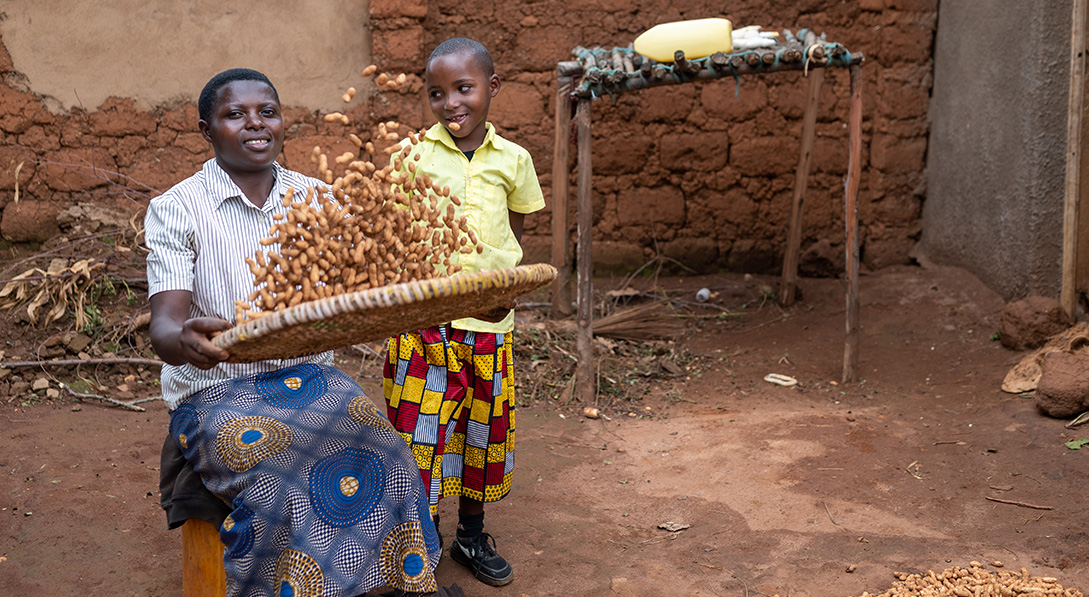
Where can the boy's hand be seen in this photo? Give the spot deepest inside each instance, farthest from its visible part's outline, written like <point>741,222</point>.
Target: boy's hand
<point>196,341</point>
<point>497,314</point>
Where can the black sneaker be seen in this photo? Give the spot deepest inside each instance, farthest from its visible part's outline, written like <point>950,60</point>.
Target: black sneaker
<point>478,555</point>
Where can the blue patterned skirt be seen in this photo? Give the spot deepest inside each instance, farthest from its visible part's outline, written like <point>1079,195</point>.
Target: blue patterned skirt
<point>327,497</point>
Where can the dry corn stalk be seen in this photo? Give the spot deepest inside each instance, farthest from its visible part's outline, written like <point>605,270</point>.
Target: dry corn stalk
<point>60,285</point>
<point>372,226</point>
<point>974,581</point>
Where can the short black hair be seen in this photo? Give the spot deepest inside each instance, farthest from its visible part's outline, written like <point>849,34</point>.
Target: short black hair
<point>210,94</point>
<point>464,45</point>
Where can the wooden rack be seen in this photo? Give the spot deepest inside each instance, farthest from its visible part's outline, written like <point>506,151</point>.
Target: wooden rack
<point>600,72</point>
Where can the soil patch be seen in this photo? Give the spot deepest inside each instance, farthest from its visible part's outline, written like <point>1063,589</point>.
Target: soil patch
<point>816,489</point>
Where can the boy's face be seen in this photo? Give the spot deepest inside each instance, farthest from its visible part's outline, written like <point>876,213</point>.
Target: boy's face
<point>459,91</point>
<point>246,129</point>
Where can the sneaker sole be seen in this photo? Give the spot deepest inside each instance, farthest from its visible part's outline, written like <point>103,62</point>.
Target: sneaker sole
<point>459,556</point>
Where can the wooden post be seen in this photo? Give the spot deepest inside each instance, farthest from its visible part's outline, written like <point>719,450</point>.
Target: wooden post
<point>850,220</point>
<point>789,282</point>
<point>585,342</point>
<point>561,246</point>
<point>202,560</point>
<point>1071,203</point>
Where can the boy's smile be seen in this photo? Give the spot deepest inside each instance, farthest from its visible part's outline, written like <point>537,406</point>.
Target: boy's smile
<point>460,92</point>
<point>246,129</point>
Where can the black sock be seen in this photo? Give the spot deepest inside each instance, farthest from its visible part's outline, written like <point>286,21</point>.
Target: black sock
<point>470,525</point>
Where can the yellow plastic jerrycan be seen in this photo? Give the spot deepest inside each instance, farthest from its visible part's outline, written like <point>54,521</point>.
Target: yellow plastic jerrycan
<point>697,39</point>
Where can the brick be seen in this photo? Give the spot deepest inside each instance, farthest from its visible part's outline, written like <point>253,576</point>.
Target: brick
<point>71,169</point>
<point>389,9</point>
<point>297,152</point>
<point>162,168</point>
<point>10,158</point>
<point>913,5</point>
<point>539,48</point>
<point>700,253</point>
<point>694,151</point>
<point>622,153</point>
<point>398,50</point>
<point>616,256</point>
<point>119,117</point>
<point>896,154</point>
<point>670,103</point>
<point>723,99</point>
<point>765,156</point>
<point>29,220</point>
<point>643,206</point>
<point>906,42</point>
<point>193,143</point>
<point>829,155</point>
<point>40,137</point>
<point>518,105</point>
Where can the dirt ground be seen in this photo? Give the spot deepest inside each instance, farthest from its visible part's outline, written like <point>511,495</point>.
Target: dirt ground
<point>813,490</point>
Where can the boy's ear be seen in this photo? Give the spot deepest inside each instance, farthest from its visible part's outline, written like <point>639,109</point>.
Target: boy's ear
<point>493,84</point>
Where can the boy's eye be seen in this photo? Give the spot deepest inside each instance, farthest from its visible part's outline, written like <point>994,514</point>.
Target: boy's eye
<point>436,94</point>
<point>465,88</point>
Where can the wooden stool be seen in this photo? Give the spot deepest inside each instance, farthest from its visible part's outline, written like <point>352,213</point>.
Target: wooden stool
<point>202,560</point>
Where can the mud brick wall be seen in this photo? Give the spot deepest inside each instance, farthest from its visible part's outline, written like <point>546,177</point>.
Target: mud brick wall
<point>704,172</point>
<point>700,172</point>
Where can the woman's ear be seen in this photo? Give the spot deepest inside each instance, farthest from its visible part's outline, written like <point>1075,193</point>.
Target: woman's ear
<point>205,130</point>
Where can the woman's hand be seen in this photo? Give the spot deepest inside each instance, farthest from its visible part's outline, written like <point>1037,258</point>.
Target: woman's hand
<point>196,341</point>
<point>180,339</point>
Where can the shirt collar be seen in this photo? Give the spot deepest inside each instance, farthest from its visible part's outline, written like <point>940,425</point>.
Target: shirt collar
<point>437,132</point>
<point>221,187</point>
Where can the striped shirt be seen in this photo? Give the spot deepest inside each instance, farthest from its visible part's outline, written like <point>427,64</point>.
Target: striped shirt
<point>199,234</point>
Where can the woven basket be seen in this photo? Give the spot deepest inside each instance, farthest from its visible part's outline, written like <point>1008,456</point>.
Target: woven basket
<point>367,315</point>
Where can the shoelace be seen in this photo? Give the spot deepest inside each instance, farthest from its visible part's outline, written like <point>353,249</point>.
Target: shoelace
<point>480,544</point>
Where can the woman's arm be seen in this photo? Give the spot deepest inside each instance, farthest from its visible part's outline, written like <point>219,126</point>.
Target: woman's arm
<point>179,339</point>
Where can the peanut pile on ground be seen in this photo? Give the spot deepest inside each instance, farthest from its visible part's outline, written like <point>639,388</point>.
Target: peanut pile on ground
<point>372,226</point>
<point>974,581</point>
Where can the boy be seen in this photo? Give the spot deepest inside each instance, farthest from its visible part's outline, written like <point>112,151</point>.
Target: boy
<point>449,388</point>
<point>323,496</point>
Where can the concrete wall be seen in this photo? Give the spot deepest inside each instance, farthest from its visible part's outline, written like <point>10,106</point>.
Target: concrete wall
<point>996,164</point>
<point>158,51</point>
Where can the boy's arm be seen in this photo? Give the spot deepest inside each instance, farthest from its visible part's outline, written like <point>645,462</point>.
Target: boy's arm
<point>177,338</point>
<point>517,224</point>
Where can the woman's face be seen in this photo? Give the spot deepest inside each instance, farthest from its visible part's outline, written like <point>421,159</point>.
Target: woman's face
<point>246,129</point>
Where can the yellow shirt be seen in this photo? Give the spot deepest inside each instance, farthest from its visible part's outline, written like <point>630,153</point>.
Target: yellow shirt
<point>500,177</point>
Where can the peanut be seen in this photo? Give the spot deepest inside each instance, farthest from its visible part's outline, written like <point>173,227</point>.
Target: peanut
<point>369,227</point>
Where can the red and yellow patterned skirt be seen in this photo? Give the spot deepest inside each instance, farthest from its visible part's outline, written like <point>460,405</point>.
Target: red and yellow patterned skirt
<point>450,394</point>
